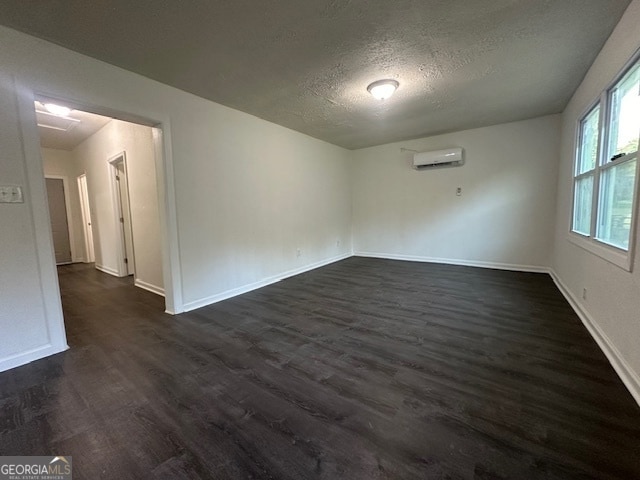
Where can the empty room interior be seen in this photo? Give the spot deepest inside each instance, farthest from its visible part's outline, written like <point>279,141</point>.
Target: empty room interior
<point>320,239</point>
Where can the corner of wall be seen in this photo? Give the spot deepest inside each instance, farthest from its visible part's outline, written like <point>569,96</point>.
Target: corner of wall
<point>627,374</point>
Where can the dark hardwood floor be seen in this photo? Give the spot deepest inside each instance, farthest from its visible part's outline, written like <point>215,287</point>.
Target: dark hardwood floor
<point>364,369</point>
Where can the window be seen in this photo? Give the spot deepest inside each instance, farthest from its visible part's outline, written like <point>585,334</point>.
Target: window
<point>585,172</point>
<point>606,169</point>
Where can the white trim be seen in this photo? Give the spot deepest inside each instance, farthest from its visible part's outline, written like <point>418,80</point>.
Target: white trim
<point>629,377</point>
<point>148,286</point>
<point>611,254</point>
<point>29,356</point>
<point>117,205</point>
<point>454,261</point>
<point>87,222</point>
<point>188,306</point>
<point>171,266</point>
<point>36,199</point>
<point>109,270</point>
<point>67,207</point>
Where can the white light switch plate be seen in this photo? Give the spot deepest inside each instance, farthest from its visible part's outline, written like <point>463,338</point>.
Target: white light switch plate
<point>10,194</point>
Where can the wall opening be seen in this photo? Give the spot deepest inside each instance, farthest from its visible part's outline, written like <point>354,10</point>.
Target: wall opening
<point>114,201</point>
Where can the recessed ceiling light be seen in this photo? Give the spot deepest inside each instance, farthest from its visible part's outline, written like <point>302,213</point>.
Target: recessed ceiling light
<point>57,109</point>
<point>383,89</point>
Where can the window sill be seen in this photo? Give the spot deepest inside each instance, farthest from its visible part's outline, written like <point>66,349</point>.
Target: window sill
<point>611,254</point>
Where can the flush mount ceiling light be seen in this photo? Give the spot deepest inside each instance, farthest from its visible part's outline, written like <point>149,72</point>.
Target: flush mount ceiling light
<point>57,109</point>
<point>383,89</point>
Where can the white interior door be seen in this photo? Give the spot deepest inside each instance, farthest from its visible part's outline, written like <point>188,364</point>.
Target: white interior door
<point>122,193</point>
<point>86,219</point>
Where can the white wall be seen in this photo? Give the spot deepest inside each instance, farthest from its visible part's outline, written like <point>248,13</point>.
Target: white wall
<point>30,316</point>
<point>504,217</point>
<point>251,195</point>
<point>62,163</point>
<point>92,157</point>
<point>613,299</point>
<point>248,193</point>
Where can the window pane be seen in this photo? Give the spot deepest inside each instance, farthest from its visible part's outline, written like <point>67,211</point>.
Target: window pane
<point>616,202</point>
<point>582,205</point>
<point>588,150</point>
<point>624,127</point>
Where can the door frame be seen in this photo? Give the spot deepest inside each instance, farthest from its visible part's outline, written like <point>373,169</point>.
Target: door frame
<point>160,122</point>
<point>85,212</point>
<point>123,267</point>
<point>67,206</point>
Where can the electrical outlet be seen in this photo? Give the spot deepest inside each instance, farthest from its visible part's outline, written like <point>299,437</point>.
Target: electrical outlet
<point>337,243</point>
<point>298,252</point>
<point>584,293</point>
<point>11,194</point>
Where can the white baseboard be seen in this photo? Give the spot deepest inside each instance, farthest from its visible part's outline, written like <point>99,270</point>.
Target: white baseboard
<point>629,377</point>
<point>262,283</point>
<point>29,356</point>
<point>453,261</point>
<point>148,286</point>
<point>109,270</point>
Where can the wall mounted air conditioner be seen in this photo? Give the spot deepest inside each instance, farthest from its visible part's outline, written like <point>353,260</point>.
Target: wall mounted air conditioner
<point>451,157</point>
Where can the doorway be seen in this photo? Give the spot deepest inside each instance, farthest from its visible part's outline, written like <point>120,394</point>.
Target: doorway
<point>57,196</point>
<point>122,209</point>
<point>118,193</point>
<point>85,211</point>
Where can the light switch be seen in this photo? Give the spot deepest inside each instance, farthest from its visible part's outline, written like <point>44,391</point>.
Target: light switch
<point>459,191</point>
<point>11,194</point>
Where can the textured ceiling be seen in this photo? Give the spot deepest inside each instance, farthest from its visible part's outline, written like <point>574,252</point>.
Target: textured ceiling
<point>305,64</point>
<point>88,124</point>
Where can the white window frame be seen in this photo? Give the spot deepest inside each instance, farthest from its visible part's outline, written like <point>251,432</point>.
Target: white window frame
<point>615,255</point>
